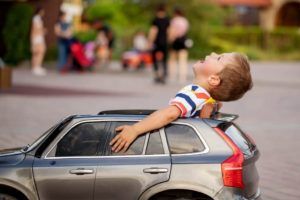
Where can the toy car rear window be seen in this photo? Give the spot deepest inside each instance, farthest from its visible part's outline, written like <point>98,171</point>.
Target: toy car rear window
<point>238,137</point>
<point>183,139</point>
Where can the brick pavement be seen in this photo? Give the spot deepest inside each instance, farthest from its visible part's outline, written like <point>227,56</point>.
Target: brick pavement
<point>270,112</point>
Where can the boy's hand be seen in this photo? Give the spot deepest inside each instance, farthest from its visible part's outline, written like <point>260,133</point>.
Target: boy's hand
<point>207,110</point>
<point>154,121</point>
<point>123,140</point>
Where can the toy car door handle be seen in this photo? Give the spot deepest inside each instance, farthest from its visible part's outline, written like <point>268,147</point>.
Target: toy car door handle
<point>81,171</point>
<point>155,170</point>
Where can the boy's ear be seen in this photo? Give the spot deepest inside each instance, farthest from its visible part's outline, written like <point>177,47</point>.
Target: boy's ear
<point>214,80</point>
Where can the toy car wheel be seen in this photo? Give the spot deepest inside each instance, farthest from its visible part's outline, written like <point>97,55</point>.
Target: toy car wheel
<point>7,197</point>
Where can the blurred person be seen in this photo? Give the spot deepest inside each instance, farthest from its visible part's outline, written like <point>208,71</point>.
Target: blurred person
<point>100,26</point>
<point>90,50</point>
<point>177,36</point>
<point>140,42</point>
<point>102,48</point>
<point>64,33</point>
<point>38,44</point>
<point>139,56</point>
<point>158,42</point>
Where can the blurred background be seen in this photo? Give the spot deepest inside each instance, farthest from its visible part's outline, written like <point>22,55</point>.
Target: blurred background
<point>264,29</point>
<point>87,59</point>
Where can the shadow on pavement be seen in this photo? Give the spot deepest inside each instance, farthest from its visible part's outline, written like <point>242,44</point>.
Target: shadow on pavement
<point>32,90</point>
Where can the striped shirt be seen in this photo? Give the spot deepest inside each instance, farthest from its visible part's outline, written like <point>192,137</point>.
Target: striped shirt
<point>191,99</point>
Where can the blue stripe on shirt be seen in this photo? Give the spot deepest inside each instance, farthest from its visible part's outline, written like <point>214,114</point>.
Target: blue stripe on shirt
<point>194,87</point>
<point>197,113</point>
<point>188,100</point>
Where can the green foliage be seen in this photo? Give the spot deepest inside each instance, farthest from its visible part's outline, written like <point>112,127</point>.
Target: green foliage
<point>128,16</point>
<point>51,53</point>
<point>255,42</point>
<point>85,36</point>
<point>220,45</point>
<point>207,29</point>
<point>16,33</point>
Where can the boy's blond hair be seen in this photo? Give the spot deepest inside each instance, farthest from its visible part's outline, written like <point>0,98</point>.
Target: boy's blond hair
<point>235,79</point>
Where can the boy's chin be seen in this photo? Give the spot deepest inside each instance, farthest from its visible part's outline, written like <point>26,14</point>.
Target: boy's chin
<point>194,69</point>
<point>195,72</point>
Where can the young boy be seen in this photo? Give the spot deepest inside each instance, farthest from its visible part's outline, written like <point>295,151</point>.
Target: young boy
<point>220,77</point>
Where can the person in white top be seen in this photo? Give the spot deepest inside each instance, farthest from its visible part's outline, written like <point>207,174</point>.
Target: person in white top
<point>140,42</point>
<point>38,44</point>
<point>178,55</point>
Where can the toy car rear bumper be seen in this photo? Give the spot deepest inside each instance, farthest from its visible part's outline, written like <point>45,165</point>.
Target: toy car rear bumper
<point>233,193</point>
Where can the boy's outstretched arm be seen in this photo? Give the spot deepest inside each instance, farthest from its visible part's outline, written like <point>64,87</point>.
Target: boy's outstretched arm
<point>154,121</point>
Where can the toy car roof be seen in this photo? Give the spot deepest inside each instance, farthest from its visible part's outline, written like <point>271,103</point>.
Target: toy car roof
<point>126,112</point>
<point>217,116</point>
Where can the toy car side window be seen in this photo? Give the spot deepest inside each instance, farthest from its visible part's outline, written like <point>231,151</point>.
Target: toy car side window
<point>183,139</point>
<point>86,139</point>
<point>154,145</point>
<point>136,148</point>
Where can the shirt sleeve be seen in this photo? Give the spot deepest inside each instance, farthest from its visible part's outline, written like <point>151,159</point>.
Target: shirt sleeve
<point>188,101</point>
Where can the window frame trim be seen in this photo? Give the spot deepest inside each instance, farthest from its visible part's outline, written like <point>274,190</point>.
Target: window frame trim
<point>67,129</point>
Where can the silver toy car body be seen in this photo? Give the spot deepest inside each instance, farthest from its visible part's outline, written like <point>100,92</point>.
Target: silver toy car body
<point>187,159</point>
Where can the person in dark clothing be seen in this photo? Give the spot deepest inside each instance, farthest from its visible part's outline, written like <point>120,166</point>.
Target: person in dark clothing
<point>64,32</point>
<point>158,42</point>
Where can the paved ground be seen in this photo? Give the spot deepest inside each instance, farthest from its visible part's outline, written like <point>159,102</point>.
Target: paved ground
<point>270,112</point>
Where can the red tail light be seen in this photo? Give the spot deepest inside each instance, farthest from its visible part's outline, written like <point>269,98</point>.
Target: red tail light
<point>232,167</point>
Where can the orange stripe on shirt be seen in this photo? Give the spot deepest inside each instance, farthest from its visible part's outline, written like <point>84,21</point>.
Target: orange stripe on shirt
<point>202,95</point>
<point>180,106</point>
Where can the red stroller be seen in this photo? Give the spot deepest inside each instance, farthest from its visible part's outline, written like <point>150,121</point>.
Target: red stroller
<point>79,58</point>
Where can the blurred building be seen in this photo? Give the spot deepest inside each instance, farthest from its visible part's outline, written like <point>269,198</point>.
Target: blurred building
<point>281,13</point>
<point>266,13</point>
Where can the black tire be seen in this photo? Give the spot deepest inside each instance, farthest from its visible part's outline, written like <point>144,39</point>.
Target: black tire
<point>7,197</point>
<point>179,197</point>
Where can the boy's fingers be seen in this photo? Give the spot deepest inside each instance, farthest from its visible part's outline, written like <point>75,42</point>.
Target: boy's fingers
<point>114,139</point>
<point>125,147</point>
<point>117,144</point>
<point>119,128</point>
<point>122,144</point>
<point>117,149</point>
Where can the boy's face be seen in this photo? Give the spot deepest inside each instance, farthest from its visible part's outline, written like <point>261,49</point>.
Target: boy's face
<point>206,70</point>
